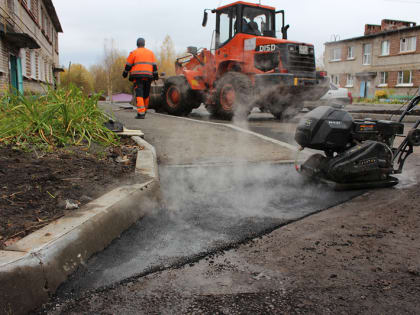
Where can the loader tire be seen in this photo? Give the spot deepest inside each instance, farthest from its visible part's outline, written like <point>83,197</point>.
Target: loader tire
<point>233,96</point>
<point>176,96</point>
<point>287,113</point>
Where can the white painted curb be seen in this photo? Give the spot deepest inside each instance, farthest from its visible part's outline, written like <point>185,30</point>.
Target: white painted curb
<point>33,268</point>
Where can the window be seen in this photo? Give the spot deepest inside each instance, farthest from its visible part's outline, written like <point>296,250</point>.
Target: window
<point>257,21</point>
<point>367,54</point>
<point>383,79</point>
<point>349,82</point>
<point>385,48</point>
<point>405,78</point>
<point>336,54</point>
<point>33,64</point>
<point>350,52</point>
<point>22,54</point>
<point>335,79</point>
<point>408,44</point>
<point>1,61</point>
<point>29,4</point>
<point>10,5</point>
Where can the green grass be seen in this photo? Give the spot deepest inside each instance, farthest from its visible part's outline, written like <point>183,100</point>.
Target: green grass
<point>379,101</point>
<point>59,118</point>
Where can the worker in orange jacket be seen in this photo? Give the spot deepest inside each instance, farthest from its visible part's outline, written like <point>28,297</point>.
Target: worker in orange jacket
<point>141,64</point>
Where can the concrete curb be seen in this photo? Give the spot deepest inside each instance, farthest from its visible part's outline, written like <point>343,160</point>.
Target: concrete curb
<point>33,268</point>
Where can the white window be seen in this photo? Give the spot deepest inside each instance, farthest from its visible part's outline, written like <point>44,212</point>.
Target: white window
<point>41,69</point>
<point>383,79</point>
<point>349,82</point>
<point>350,52</point>
<point>1,59</point>
<point>33,64</point>
<point>29,3</point>
<point>405,78</point>
<point>385,48</point>
<point>336,54</point>
<point>22,54</point>
<point>408,44</point>
<point>335,79</point>
<point>367,54</point>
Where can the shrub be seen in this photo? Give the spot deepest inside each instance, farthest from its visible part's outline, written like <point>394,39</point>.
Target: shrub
<point>58,118</point>
<point>381,94</point>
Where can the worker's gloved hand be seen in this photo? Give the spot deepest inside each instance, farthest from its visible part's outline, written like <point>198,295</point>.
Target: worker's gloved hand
<point>155,76</point>
<point>125,74</point>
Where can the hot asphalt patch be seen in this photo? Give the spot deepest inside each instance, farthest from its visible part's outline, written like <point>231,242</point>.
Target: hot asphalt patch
<point>208,209</point>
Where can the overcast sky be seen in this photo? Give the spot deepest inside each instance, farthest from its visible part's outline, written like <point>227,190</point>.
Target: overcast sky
<point>87,23</point>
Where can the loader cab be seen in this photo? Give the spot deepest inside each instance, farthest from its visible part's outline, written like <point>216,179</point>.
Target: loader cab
<point>251,19</point>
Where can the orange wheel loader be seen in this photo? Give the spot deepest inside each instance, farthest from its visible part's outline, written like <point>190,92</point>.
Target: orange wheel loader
<point>248,66</point>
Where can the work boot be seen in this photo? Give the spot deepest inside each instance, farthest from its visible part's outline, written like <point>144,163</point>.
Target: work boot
<point>140,116</point>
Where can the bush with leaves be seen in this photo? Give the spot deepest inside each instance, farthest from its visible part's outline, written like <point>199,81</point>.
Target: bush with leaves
<point>58,118</point>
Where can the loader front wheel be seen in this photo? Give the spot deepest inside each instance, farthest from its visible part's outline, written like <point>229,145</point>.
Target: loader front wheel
<point>233,92</point>
<point>175,95</point>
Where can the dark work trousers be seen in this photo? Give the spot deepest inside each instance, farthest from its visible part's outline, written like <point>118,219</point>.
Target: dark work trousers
<point>142,89</point>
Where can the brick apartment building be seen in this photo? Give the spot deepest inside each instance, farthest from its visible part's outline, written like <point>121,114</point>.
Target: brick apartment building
<point>29,55</point>
<point>386,57</point>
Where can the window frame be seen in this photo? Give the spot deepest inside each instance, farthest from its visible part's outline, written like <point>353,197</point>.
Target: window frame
<point>333,54</point>
<point>32,61</point>
<point>401,82</point>
<point>404,44</point>
<point>335,79</point>
<point>367,57</point>
<point>350,56</point>
<point>383,78</point>
<point>388,50</point>
<point>349,83</point>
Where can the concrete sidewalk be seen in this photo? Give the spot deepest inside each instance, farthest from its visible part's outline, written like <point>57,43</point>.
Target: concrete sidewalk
<point>181,141</point>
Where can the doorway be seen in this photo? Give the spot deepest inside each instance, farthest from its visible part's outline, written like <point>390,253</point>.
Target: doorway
<point>364,88</point>
<point>16,78</point>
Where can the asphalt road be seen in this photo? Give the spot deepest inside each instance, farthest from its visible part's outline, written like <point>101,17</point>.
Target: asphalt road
<point>206,208</point>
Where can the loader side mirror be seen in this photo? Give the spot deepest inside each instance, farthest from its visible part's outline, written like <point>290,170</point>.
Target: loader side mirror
<point>205,17</point>
<point>192,50</point>
<point>284,31</point>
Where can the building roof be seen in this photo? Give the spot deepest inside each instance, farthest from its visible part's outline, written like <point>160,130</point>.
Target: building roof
<point>53,14</point>
<point>401,30</point>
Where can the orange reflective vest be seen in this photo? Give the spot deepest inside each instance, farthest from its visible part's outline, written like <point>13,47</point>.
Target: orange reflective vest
<point>141,63</point>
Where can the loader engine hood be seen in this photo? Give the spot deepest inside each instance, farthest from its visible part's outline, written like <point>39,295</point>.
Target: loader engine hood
<point>280,55</point>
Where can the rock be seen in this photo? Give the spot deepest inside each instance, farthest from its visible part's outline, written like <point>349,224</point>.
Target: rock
<point>71,204</point>
<point>123,159</point>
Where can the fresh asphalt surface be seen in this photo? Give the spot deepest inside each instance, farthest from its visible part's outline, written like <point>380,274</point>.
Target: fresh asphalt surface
<point>205,209</point>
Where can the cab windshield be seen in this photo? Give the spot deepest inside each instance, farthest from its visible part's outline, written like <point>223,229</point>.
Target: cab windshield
<point>258,21</point>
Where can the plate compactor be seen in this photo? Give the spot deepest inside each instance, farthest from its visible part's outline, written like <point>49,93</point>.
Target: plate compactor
<point>358,153</point>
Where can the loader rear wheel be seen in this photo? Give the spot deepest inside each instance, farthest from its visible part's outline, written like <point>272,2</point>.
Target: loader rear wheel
<point>175,95</point>
<point>287,113</point>
<point>233,93</point>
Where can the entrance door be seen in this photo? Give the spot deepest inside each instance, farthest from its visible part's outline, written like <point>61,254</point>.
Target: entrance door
<point>364,88</point>
<point>14,84</point>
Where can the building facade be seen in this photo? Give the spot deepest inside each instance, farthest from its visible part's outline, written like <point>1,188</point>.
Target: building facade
<point>29,52</point>
<point>387,57</point>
